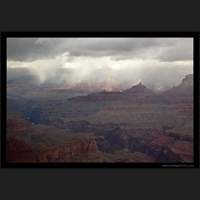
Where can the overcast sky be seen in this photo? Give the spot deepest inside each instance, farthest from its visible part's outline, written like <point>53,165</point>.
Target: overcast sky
<point>118,62</point>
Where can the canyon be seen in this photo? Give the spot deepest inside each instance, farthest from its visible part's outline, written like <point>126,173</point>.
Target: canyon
<point>133,125</point>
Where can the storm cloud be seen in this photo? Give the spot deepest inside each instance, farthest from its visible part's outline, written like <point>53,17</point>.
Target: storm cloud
<point>160,48</point>
<point>158,62</point>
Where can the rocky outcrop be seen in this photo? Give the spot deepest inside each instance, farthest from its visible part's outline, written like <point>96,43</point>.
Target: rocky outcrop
<point>139,90</point>
<point>184,150</point>
<point>137,93</point>
<point>21,151</point>
<point>17,125</point>
<point>188,80</point>
<point>160,147</point>
<point>67,153</point>
<point>182,93</point>
<point>40,143</point>
<point>164,148</point>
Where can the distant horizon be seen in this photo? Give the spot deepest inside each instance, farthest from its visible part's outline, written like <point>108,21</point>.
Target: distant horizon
<point>75,88</point>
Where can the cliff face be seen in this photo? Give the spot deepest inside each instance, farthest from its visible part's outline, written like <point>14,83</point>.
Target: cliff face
<point>182,93</point>
<point>160,147</point>
<point>188,80</point>
<point>68,153</point>
<point>20,151</point>
<point>26,143</point>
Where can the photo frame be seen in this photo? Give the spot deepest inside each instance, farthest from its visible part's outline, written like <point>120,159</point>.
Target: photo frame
<point>194,35</point>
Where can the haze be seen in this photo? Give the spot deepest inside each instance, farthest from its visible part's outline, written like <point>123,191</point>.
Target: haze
<point>100,63</point>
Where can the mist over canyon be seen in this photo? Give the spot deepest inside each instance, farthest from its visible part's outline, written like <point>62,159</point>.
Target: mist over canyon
<point>100,63</point>
<point>133,125</point>
<point>100,100</point>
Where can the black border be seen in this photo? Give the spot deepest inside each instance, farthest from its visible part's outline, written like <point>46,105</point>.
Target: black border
<point>194,35</point>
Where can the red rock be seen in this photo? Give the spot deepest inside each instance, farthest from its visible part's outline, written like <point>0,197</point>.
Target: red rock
<point>162,141</point>
<point>184,149</point>
<point>19,151</point>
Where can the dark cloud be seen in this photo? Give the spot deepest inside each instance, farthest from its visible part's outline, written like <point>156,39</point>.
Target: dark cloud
<point>27,49</point>
<point>164,49</point>
<point>119,62</point>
